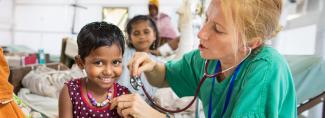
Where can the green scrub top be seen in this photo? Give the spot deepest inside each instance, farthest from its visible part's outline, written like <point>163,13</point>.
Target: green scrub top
<point>263,87</point>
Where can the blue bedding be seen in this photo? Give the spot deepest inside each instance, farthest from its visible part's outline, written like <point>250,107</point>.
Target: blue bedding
<point>309,75</point>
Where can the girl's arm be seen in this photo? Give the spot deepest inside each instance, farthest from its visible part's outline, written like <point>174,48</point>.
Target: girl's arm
<point>65,105</point>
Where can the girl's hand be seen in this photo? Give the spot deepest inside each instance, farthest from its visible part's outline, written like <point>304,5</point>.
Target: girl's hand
<point>132,105</point>
<point>155,52</point>
<point>139,63</point>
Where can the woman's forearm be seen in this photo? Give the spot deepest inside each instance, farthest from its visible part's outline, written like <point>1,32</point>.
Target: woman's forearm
<point>157,76</point>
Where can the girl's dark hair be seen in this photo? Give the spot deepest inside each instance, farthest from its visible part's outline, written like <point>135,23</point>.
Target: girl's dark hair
<point>97,34</point>
<point>152,24</point>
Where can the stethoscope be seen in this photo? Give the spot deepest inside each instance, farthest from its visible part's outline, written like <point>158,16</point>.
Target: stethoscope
<point>136,83</point>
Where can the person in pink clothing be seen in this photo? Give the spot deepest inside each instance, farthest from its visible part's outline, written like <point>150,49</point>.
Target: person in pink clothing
<point>165,27</point>
<point>168,33</point>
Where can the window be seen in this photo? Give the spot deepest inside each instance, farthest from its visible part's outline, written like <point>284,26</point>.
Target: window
<point>116,16</point>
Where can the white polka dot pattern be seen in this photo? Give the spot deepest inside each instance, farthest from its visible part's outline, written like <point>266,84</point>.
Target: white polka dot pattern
<point>83,109</point>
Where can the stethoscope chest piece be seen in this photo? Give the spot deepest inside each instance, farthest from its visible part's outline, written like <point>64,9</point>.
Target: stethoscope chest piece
<point>136,82</point>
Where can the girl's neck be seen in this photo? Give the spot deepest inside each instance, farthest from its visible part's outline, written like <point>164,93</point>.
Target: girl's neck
<point>147,50</point>
<point>92,87</point>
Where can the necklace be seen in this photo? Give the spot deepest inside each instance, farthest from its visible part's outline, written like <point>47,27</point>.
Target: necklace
<point>230,88</point>
<point>249,52</point>
<point>103,103</point>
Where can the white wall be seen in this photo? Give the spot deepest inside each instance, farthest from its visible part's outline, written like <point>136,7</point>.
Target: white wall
<point>303,35</point>
<point>298,41</point>
<point>320,46</point>
<point>6,9</point>
<point>43,23</point>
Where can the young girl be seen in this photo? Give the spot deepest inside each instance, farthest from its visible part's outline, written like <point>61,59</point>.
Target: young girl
<point>142,37</point>
<point>100,50</point>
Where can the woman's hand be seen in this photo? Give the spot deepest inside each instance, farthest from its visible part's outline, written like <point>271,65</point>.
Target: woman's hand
<point>155,71</point>
<point>140,62</point>
<point>132,105</point>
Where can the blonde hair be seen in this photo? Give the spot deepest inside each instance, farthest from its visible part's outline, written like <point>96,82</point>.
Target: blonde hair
<point>253,19</point>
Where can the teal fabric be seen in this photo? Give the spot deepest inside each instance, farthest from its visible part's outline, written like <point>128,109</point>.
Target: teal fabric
<point>309,75</point>
<point>19,49</point>
<point>263,87</point>
<point>25,49</point>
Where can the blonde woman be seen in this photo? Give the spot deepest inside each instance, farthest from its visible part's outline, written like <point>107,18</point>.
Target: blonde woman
<point>254,80</point>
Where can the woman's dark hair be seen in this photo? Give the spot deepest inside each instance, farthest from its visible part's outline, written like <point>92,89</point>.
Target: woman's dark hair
<point>97,34</point>
<point>152,24</point>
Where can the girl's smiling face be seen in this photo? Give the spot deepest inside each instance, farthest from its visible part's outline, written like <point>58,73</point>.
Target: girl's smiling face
<point>103,65</point>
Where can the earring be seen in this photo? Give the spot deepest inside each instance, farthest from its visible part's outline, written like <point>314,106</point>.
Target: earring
<point>154,45</point>
<point>84,72</point>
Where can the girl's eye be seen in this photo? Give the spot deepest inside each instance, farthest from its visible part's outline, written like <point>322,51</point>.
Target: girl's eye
<point>136,33</point>
<point>98,63</point>
<point>146,31</point>
<point>117,62</point>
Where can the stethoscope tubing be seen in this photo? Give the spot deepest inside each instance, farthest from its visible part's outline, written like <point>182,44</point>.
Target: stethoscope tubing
<point>205,76</point>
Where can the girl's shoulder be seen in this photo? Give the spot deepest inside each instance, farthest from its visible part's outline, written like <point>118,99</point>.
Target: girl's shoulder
<point>128,54</point>
<point>73,81</point>
<point>73,84</point>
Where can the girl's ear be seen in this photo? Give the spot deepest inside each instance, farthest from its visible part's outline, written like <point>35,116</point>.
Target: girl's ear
<point>155,34</point>
<point>79,61</point>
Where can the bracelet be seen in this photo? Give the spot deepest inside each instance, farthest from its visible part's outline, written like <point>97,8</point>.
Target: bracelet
<point>167,115</point>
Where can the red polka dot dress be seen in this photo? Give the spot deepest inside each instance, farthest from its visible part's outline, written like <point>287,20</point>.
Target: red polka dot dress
<point>83,109</point>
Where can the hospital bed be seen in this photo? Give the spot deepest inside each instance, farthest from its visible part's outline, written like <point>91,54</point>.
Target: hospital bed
<point>309,76</point>
<point>47,106</point>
